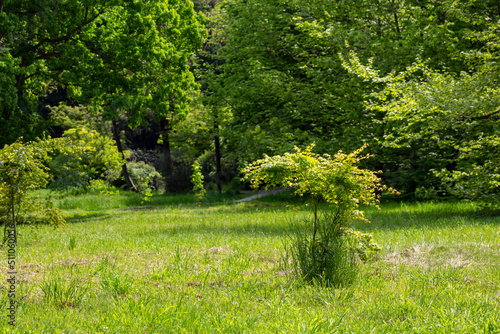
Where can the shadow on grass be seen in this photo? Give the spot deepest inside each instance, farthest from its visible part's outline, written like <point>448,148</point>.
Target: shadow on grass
<point>247,229</point>
<point>138,200</point>
<point>85,217</point>
<point>398,215</point>
<point>392,216</point>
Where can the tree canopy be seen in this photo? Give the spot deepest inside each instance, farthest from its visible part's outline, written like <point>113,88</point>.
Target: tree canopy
<point>416,80</point>
<point>286,81</point>
<point>128,55</point>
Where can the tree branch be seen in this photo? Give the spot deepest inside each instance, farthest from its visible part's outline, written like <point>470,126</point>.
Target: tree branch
<point>71,33</point>
<point>483,116</point>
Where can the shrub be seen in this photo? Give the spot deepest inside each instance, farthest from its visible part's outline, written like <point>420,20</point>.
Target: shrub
<point>145,177</point>
<point>323,251</point>
<point>197,180</point>
<point>22,168</point>
<point>87,156</point>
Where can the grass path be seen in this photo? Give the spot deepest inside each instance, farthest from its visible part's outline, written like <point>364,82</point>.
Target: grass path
<point>262,193</point>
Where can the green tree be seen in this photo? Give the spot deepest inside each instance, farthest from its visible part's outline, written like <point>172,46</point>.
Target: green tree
<point>276,83</point>
<point>284,82</point>
<point>117,56</point>
<point>455,114</point>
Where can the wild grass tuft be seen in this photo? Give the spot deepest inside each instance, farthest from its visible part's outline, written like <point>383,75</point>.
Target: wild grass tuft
<point>63,292</point>
<point>330,258</point>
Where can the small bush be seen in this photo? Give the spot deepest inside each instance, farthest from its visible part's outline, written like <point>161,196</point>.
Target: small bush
<point>197,180</point>
<point>22,169</point>
<point>326,249</point>
<point>87,156</point>
<point>145,177</point>
<point>99,186</point>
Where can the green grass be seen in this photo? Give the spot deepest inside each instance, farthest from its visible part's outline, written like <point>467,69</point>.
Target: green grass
<point>173,267</point>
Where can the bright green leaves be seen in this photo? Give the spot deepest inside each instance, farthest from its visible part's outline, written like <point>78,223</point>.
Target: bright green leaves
<point>335,180</point>
<point>452,118</point>
<point>197,181</point>
<point>280,71</point>
<point>87,156</point>
<point>22,168</point>
<point>113,54</point>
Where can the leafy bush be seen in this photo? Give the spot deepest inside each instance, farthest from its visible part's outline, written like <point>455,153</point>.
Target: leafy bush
<point>322,251</point>
<point>87,156</point>
<point>454,116</point>
<point>99,186</point>
<point>22,168</point>
<point>476,181</point>
<point>197,180</point>
<point>145,177</point>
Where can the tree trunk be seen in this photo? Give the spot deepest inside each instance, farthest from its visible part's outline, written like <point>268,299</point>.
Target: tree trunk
<point>126,174</point>
<point>217,157</point>
<point>167,154</point>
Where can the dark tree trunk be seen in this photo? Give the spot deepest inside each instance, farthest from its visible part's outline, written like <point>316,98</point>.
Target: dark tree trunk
<point>167,154</point>
<point>126,174</point>
<point>217,157</point>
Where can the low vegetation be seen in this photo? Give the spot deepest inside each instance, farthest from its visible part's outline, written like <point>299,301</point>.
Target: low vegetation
<point>173,266</point>
<point>320,248</point>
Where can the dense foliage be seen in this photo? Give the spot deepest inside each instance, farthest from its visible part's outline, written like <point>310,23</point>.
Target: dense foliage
<point>86,156</point>
<point>273,74</point>
<point>23,168</point>
<point>452,118</point>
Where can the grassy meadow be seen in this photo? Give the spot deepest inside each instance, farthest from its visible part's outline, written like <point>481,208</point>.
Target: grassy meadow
<point>170,266</point>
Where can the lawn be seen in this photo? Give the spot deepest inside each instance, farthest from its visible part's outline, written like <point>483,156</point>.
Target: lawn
<point>170,266</point>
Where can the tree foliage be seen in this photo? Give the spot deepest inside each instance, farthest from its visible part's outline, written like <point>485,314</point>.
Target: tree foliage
<point>455,116</point>
<point>116,55</point>
<point>283,79</point>
<point>335,180</point>
<point>278,83</point>
<point>23,168</point>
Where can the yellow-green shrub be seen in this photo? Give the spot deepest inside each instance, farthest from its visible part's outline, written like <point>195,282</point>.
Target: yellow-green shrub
<point>87,156</point>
